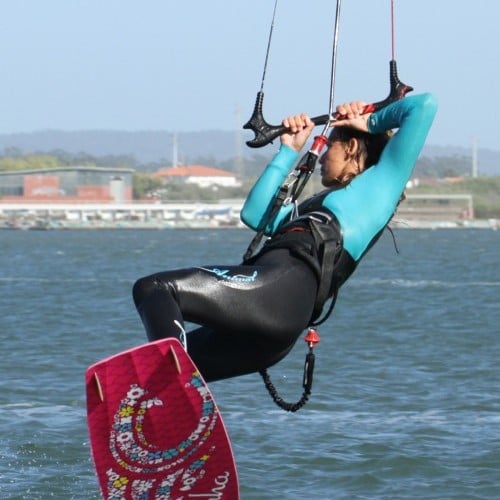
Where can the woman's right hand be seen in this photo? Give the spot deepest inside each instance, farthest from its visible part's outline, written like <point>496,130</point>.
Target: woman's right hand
<point>352,116</point>
<point>299,128</point>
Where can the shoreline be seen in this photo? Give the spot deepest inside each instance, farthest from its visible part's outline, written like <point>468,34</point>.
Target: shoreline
<point>492,224</point>
<point>224,214</point>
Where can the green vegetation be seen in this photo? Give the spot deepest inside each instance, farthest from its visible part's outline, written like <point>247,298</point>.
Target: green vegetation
<point>29,162</point>
<point>144,185</point>
<point>13,159</point>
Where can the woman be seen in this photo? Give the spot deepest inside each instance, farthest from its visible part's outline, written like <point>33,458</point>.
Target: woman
<point>252,314</point>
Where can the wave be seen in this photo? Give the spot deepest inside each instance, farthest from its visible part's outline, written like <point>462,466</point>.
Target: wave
<point>397,282</point>
<point>407,283</point>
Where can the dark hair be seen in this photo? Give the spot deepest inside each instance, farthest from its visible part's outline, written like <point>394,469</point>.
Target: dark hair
<point>371,145</point>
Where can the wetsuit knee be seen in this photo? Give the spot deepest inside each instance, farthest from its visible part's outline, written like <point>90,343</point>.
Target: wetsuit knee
<point>149,285</point>
<point>142,287</point>
<point>156,303</point>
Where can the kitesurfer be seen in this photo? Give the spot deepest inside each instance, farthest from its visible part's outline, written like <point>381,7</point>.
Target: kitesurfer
<point>250,315</point>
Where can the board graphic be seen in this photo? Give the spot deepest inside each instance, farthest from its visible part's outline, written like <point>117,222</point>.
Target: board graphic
<point>155,430</point>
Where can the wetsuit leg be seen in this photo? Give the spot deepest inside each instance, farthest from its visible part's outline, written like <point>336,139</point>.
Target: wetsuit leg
<point>250,315</point>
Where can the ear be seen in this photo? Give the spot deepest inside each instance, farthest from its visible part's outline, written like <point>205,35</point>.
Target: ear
<point>352,147</point>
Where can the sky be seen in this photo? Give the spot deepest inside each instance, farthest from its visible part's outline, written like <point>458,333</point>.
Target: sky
<point>184,66</point>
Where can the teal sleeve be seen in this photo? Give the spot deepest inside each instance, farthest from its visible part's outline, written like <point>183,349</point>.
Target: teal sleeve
<point>365,206</point>
<point>255,211</point>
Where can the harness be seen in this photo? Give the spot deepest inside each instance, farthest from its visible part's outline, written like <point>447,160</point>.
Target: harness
<point>316,238</point>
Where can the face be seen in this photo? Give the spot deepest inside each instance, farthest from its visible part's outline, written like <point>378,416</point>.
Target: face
<point>335,163</point>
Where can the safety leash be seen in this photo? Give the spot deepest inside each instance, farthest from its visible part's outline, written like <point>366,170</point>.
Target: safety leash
<point>312,338</point>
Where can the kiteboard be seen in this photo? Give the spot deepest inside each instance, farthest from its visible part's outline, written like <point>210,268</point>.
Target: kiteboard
<point>155,430</point>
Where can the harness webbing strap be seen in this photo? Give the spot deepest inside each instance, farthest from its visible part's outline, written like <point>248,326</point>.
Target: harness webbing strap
<point>328,246</point>
<point>278,202</point>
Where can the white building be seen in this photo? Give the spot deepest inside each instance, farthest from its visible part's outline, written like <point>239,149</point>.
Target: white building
<point>198,174</point>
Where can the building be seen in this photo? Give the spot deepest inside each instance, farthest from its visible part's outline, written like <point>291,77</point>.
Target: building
<point>198,174</point>
<point>67,185</point>
<point>437,207</point>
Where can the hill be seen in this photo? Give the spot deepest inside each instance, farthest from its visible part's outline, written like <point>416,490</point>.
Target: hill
<point>158,146</point>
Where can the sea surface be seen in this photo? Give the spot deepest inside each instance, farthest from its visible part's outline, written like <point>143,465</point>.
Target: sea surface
<point>406,395</point>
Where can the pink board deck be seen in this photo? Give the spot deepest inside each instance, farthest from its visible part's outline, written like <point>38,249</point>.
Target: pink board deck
<point>155,430</point>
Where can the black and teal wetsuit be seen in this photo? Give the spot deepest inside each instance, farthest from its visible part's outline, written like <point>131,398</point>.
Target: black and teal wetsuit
<point>252,314</point>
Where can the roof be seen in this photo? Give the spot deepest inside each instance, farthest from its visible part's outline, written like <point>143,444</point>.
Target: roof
<point>193,171</point>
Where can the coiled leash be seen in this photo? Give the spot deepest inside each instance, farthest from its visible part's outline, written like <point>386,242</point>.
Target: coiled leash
<point>312,338</point>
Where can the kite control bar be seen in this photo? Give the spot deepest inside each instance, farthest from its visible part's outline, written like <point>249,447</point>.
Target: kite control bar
<point>266,133</point>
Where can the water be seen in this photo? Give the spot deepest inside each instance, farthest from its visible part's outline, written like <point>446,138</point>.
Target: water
<point>406,396</point>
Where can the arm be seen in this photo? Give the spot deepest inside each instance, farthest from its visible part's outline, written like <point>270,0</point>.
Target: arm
<point>366,205</point>
<point>413,116</point>
<point>259,203</point>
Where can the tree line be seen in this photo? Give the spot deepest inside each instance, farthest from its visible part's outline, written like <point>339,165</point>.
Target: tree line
<point>245,168</point>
